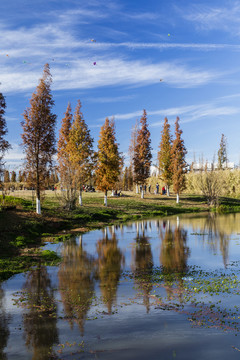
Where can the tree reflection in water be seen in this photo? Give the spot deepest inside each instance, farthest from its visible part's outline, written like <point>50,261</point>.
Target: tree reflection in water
<point>110,260</point>
<point>40,320</point>
<point>76,283</point>
<point>142,264</point>
<point>215,236</point>
<point>4,331</point>
<point>173,257</point>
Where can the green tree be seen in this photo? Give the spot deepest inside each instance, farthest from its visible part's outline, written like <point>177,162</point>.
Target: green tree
<point>4,144</point>
<point>131,150</point>
<point>125,179</point>
<point>65,168</point>
<point>13,176</point>
<point>130,178</point>
<point>109,160</point>
<point>30,180</point>
<point>6,176</point>
<point>20,176</point>
<point>142,153</point>
<point>164,155</point>
<point>179,165</point>
<point>80,149</point>
<point>39,133</point>
<point>222,153</point>
<point>24,176</point>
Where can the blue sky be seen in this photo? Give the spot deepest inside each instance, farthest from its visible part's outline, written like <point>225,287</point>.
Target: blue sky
<point>193,46</point>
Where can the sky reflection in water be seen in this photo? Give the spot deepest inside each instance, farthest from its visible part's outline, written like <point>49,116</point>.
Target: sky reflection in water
<point>159,289</point>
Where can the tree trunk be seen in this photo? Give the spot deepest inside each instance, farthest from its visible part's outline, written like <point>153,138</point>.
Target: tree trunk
<point>80,197</point>
<point>38,206</point>
<point>105,198</point>
<point>80,241</point>
<point>137,192</point>
<point>142,194</point>
<point>168,192</point>
<point>177,201</point>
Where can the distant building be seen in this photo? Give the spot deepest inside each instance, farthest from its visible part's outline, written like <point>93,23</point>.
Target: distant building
<point>211,166</point>
<point>154,171</point>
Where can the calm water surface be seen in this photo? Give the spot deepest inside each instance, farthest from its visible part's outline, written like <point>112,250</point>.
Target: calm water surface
<point>157,289</point>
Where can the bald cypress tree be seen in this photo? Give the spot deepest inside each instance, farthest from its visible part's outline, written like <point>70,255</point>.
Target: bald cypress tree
<point>179,165</point>
<point>6,176</point>
<point>80,149</point>
<point>131,150</point>
<point>39,133</point>
<point>63,157</point>
<point>109,160</point>
<point>4,144</point>
<point>164,155</point>
<point>222,153</point>
<point>65,168</point>
<point>142,153</point>
<point>13,176</point>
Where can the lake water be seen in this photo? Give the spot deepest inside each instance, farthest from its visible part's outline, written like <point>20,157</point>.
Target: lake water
<point>157,289</point>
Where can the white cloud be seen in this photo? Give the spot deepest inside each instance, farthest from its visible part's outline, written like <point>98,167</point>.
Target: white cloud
<point>164,45</point>
<point>11,118</point>
<point>110,99</point>
<point>72,68</point>
<point>207,17</point>
<point>186,113</point>
<point>162,112</point>
<point>14,157</point>
<point>82,74</point>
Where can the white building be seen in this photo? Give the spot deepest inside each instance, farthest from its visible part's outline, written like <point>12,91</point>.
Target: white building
<point>211,166</point>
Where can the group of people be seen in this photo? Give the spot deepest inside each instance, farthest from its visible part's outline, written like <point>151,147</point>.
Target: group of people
<point>164,190</point>
<point>144,188</point>
<point>88,188</point>
<point>116,193</point>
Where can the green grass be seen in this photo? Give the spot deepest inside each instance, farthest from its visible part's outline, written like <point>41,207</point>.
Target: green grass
<point>18,264</point>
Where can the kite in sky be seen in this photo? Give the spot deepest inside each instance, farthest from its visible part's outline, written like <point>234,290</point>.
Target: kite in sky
<point>94,63</point>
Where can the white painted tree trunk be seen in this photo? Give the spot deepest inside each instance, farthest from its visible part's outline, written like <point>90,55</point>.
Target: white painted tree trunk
<point>105,200</point>
<point>142,194</point>
<point>38,206</point>
<point>168,192</point>
<point>137,192</point>
<point>112,192</point>
<point>80,199</point>
<point>177,201</point>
